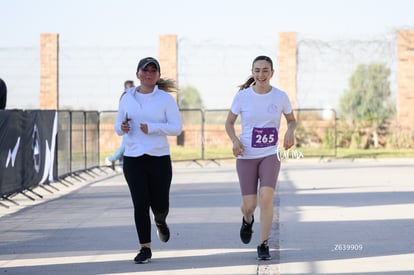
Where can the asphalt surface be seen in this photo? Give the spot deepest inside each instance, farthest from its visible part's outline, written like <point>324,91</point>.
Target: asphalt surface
<point>331,217</point>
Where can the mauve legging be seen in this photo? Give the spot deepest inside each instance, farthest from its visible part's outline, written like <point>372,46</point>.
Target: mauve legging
<point>149,181</point>
<point>250,171</point>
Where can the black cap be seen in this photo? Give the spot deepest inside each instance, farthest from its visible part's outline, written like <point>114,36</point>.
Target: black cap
<point>148,60</point>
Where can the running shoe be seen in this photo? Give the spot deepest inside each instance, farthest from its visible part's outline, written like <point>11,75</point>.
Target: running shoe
<point>144,256</point>
<point>246,231</point>
<point>263,252</point>
<point>163,232</point>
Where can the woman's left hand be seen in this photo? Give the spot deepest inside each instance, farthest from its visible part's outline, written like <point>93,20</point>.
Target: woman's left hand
<point>144,128</point>
<point>289,139</point>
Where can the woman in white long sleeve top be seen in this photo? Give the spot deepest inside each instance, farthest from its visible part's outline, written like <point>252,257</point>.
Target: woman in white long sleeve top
<point>148,113</point>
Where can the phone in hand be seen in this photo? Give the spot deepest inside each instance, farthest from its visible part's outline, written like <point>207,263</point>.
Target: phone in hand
<point>126,122</point>
<point>127,119</point>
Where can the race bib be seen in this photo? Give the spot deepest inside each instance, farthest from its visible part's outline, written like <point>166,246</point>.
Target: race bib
<point>264,137</point>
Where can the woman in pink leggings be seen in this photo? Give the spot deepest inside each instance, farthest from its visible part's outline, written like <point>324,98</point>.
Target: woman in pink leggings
<point>260,107</point>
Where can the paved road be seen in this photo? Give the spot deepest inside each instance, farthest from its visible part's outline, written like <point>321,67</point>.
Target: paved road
<point>347,217</point>
<point>337,217</point>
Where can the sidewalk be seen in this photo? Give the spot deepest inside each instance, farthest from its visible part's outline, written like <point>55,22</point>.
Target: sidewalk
<point>338,217</point>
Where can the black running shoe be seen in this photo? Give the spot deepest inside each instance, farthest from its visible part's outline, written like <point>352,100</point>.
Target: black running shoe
<point>144,256</point>
<point>263,252</point>
<point>163,232</point>
<point>246,231</point>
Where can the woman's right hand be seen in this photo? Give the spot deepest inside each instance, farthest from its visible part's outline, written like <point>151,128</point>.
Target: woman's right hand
<point>125,126</point>
<point>238,148</point>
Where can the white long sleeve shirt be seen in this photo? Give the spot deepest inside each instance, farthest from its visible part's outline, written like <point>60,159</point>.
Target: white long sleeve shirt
<point>159,111</point>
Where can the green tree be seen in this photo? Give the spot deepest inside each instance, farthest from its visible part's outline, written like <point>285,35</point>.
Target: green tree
<point>367,100</point>
<point>189,98</point>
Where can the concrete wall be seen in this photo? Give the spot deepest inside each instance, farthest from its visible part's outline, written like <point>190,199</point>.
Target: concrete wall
<point>286,70</point>
<point>49,71</point>
<point>405,79</point>
<point>167,55</point>
<point>287,65</point>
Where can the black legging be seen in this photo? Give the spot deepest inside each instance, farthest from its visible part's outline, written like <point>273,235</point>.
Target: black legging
<point>149,181</point>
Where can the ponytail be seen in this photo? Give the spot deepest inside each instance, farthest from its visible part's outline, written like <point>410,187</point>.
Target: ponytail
<point>167,85</point>
<point>247,84</point>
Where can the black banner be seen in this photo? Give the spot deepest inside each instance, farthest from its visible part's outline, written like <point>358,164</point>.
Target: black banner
<point>27,149</point>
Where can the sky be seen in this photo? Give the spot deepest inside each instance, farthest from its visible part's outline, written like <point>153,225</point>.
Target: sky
<point>101,41</point>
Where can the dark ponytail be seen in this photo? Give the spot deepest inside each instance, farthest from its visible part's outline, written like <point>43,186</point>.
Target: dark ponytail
<point>247,84</point>
<point>167,85</point>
